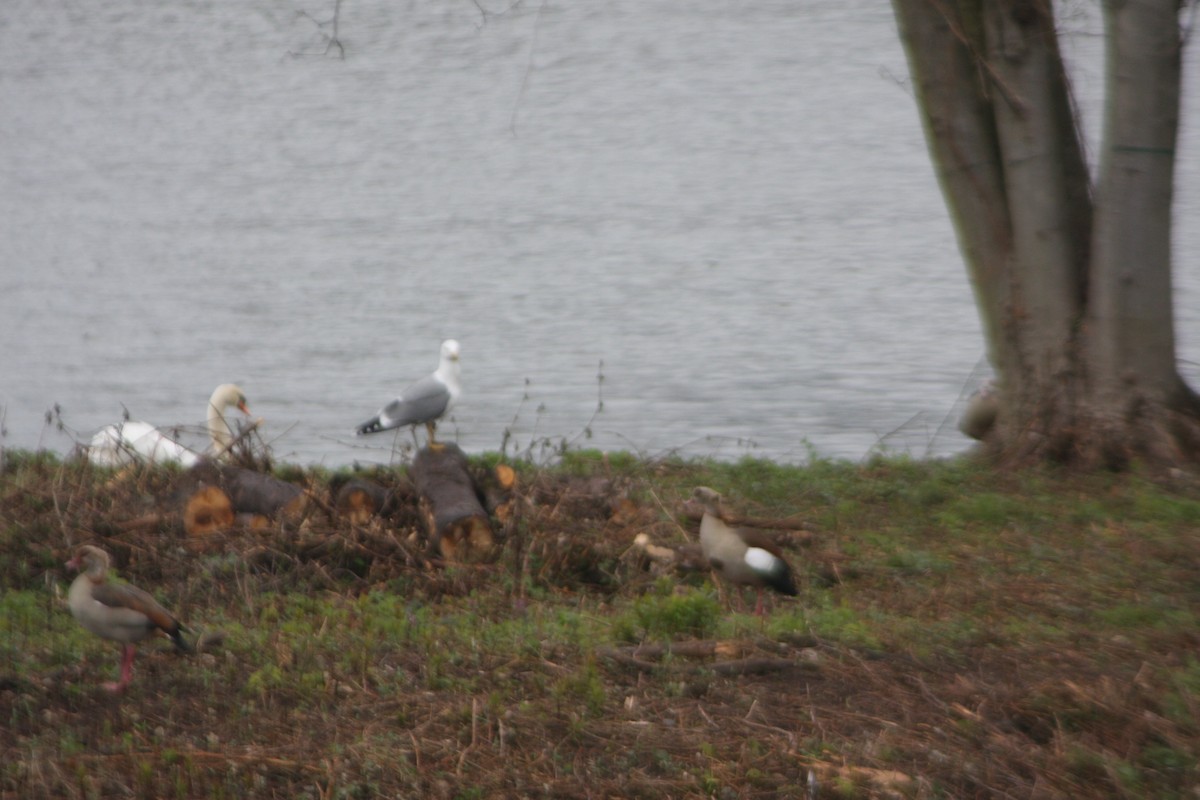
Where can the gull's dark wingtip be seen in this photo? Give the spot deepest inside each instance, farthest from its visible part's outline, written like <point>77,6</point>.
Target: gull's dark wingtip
<point>370,426</point>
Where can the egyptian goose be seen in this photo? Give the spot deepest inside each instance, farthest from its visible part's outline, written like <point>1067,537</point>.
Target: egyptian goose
<point>741,556</point>
<point>424,402</point>
<point>117,611</point>
<point>126,442</point>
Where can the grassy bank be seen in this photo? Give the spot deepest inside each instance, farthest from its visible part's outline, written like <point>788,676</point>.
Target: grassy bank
<point>958,633</point>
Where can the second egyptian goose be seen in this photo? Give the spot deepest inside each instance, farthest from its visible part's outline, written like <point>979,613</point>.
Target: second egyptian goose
<point>117,611</point>
<point>742,556</point>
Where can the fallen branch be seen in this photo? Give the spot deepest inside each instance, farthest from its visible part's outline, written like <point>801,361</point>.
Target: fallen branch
<point>142,523</point>
<point>202,755</point>
<point>694,511</point>
<point>614,654</point>
<point>760,666</point>
<point>700,649</point>
<point>636,657</point>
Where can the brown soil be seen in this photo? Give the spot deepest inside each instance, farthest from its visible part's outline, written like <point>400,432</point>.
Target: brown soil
<point>756,716</point>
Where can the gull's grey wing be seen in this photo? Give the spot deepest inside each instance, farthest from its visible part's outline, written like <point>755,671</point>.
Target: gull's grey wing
<point>424,401</point>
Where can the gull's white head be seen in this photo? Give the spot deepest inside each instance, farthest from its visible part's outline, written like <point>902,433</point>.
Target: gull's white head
<point>450,350</point>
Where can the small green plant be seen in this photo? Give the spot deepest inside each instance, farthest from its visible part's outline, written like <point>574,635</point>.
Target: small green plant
<point>918,562</point>
<point>583,690</point>
<point>265,680</point>
<point>1183,698</point>
<point>842,623</point>
<point>690,613</point>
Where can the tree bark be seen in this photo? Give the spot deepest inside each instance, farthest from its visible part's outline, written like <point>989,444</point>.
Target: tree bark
<point>258,493</point>
<point>1131,329</point>
<point>953,90</point>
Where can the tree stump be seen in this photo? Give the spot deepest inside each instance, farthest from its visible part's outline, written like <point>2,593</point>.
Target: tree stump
<point>459,527</point>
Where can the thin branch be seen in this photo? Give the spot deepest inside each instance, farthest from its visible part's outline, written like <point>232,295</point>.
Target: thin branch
<point>330,41</point>
<point>537,26</point>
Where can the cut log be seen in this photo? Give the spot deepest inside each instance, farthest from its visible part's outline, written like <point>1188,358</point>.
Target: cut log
<point>251,492</point>
<point>499,492</point>
<point>506,476</point>
<point>663,555</point>
<point>459,528</point>
<point>684,558</point>
<point>258,493</point>
<point>357,501</point>
<point>206,511</point>
<point>252,522</point>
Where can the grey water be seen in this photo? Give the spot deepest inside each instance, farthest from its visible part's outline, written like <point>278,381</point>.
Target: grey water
<point>708,228</point>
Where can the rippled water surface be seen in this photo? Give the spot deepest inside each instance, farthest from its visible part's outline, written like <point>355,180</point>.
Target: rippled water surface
<point>725,210</point>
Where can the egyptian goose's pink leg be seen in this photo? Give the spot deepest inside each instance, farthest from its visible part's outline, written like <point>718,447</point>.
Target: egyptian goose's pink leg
<point>127,654</point>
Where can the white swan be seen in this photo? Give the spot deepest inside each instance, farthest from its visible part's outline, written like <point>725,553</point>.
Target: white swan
<point>129,442</point>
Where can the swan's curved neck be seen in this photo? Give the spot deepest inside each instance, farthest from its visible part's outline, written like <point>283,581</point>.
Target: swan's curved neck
<point>218,428</point>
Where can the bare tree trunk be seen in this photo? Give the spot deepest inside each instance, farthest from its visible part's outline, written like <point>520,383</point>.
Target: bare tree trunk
<point>1130,324</point>
<point>1075,299</point>
<point>1049,213</point>
<point>954,98</point>
<point>993,94</point>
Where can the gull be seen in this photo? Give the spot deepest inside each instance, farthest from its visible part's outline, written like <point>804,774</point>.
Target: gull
<point>424,402</point>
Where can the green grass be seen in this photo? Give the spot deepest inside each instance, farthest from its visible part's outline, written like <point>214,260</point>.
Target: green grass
<point>1033,629</point>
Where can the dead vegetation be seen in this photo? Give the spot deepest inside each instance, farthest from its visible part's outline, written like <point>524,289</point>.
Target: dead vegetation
<point>953,638</point>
